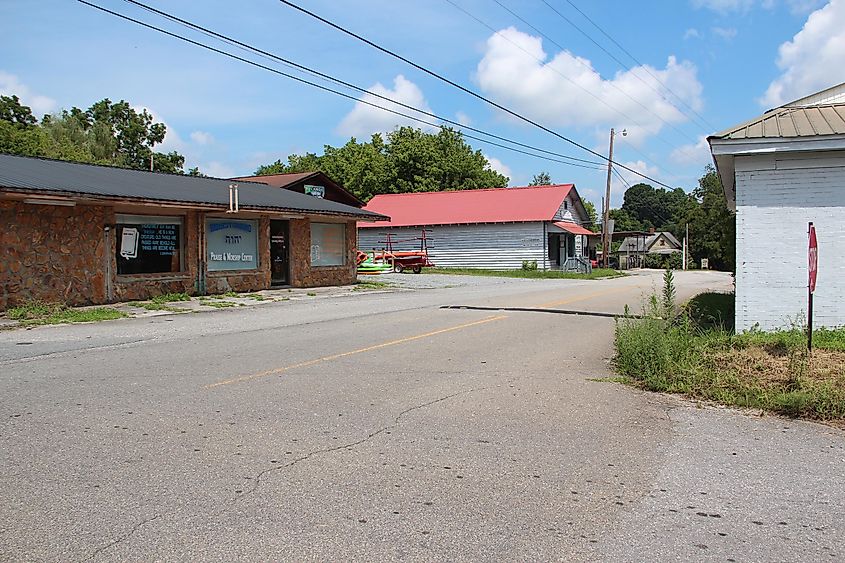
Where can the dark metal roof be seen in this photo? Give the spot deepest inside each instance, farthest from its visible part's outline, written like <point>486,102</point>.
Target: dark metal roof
<point>70,178</point>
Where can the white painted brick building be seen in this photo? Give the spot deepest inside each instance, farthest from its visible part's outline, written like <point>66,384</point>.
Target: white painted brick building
<point>781,171</point>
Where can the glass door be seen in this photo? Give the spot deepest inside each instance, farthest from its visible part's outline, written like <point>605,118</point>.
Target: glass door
<point>279,262</point>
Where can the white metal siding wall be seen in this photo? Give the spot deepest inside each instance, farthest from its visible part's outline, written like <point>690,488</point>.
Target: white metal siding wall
<point>776,197</point>
<point>491,246</point>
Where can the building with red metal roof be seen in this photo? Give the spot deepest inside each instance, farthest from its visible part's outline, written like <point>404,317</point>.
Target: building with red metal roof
<point>499,228</point>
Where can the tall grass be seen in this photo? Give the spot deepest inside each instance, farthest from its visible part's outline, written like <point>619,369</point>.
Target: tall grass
<point>681,353</point>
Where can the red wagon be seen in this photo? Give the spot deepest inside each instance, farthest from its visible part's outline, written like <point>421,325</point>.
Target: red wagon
<point>414,260</point>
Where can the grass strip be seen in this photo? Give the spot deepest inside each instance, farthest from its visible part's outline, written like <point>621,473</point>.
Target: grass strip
<point>529,274</point>
<point>41,313</point>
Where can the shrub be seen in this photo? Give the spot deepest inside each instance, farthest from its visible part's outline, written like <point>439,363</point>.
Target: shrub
<point>529,265</point>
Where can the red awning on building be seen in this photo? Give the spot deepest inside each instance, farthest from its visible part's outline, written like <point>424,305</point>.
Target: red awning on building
<point>575,229</point>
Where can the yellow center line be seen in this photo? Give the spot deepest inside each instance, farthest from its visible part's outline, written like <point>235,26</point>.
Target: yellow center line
<point>352,352</point>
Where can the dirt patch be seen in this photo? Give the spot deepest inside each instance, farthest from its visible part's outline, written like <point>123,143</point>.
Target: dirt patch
<point>774,367</point>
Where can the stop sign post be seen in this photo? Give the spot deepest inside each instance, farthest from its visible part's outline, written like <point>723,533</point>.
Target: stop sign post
<point>813,268</point>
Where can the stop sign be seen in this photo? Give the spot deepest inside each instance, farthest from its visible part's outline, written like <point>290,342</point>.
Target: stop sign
<point>813,255</point>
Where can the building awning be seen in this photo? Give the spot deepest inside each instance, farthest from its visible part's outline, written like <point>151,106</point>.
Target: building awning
<point>574,229</point>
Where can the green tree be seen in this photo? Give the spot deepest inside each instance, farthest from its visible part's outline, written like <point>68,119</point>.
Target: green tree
<point>541,179</point>
<point>19,133</point>
<point>408,160</point>
<point>624,221</point>
<point>106,133</point>
<point>424,162</point>
<point>712,226</point>
<point>13,111</point>
<point>655,207</point>
<point>592,216</point>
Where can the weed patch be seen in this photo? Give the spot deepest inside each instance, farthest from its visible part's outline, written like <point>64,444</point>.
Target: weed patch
<point>217,304</point>
<point>153,306</point>
<point>370,285</point>
<point>40,313</point>
<point>170,298</point>
<point>695,354</point>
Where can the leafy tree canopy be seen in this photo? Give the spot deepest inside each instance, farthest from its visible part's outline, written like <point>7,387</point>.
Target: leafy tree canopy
<point>108,132</point>
<point>712,227</point>
<point>541,179</point>
<point>407,160</point>
<point>592,216</point>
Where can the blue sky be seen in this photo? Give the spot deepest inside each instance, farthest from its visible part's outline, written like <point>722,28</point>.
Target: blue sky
<point>728,60</point>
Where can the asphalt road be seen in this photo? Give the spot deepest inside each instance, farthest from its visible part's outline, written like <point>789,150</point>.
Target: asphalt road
<point>383,426</point>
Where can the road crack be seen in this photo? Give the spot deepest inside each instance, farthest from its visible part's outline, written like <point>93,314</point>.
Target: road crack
<point>122,538</point>
<point>257,479</point>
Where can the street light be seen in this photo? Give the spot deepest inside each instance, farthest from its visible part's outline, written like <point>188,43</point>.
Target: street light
<point>605,231</point>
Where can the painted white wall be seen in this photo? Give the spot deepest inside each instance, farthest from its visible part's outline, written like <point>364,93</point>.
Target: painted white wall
<point>493,246</point>
<point>777,195</point>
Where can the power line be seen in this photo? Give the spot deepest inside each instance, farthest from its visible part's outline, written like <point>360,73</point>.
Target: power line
<point>315,85</point>
<point>612,56</point>
<point>633,58</point>
<point>465,89</point>
<point>290,63</point>
<point>611,83</point>
<point>553,69</point>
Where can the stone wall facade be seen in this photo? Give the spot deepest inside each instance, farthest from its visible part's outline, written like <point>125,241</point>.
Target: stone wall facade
<point>68,254</point>
<point>52,253</point>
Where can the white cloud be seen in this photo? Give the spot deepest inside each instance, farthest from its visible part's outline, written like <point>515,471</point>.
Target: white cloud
<point>365,120</point>
<point>726,33</point>
<point>217,170</point>
<point>809,60</point>
<point>567,91</point>
<point>498,166</point>
<point>202,138</point>
<point>463,118</point>
<point>692,33</point>
<point>10,85</point>
<point>697,154</point>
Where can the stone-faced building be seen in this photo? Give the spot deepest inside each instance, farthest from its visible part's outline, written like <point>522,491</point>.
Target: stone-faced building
<point>84,234</point>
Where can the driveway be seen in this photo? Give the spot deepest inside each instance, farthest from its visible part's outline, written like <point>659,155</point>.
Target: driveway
<point>382,425</point>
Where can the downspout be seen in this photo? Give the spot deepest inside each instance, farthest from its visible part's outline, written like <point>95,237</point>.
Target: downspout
<point>109,252</point>
<point>201,254</point>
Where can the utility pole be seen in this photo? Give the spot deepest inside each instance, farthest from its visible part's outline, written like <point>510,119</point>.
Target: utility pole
<point>605,238</point>
<point>686,248</point>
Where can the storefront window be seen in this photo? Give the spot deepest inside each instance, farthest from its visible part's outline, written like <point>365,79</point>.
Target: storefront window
<point>149,245</point>
<point>328,244</point>
<point>232,245</point>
